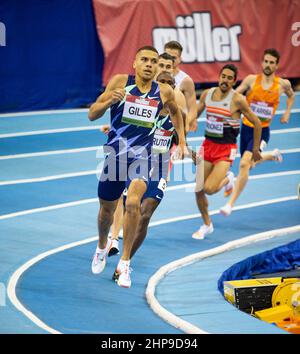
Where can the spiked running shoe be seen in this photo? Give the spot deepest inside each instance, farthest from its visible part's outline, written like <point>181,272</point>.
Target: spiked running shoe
<point>99,259</point>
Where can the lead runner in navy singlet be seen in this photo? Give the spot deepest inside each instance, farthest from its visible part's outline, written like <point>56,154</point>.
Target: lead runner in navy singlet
<point>135,103</point>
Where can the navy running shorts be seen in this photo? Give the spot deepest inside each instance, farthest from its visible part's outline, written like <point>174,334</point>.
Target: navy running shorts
<point>246,138</point>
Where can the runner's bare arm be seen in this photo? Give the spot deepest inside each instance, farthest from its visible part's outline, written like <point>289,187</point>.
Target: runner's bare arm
<point>244,108</point>
<point>287,89</point>
<point>113,93</point>
<point>181,103</point>
<point>246,84</point>
<point>201,105</point>
<point>188,89</point>
<point>168,98</point>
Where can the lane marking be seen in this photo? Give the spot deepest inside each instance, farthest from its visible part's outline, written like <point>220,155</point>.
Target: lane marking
<point>276,131</point>
<point>59,111</point>
<point>278,113</point>
<point>50,131</point>
<point>42,113</point>
<point>156,278</point>
<point>91,148</point>
<point>12,284</point>
<point>284,151</point>
<point>48,208</point>
<point>94,172</point>
<point>170,188</point>
<point>98,127</point>
<point>94,127</point>
<point>48,153</point>
<point>50,178</point>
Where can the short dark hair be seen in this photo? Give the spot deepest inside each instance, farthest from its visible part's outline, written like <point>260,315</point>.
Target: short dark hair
<point>147,47</point>
<point>232,68</point>
<point>166,56</point>
<point>165,73</point>
<point>174,45</point>
<point>273,52</point>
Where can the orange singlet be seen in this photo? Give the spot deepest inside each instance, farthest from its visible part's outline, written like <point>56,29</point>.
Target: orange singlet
<point>263,103</point>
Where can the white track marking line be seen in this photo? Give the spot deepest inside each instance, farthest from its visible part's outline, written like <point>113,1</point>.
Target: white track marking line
<point>75,129</point>
<point>49,153</point>
<point>42,113</point>
<point>98,127</point>
<point>259,176</point>
<point>285,131</point>
<point>278,113</point>
<point>50,178</point>
<point>176,321</point>
<point>50,131</point>
<point>48,208</point>
<point>277,131</point>
<point>189,160</point>
<point>97,172</point>
<point>11,288</point>
<point>94,200</point>
<point>83,110</point>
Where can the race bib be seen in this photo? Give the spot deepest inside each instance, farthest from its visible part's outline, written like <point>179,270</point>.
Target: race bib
<point>233,153</point>
<point>162,185</point>
<point>162,141</point>
<point>139,111</point>
<point>263,111</point>
<point>214,126</point>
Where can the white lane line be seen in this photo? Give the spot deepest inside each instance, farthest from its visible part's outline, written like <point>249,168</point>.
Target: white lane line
<point>284,151</point>
<point>285,131</point>
<point>277,131</point>
<point>278,113</point>
<point>54,152</point>
<point>11,287</point>
<point>93,200</point>
<point>97,172</point>
<point>84,128</point>
<point>50,131</point>
<point>176,321</point>
<point>91,148</point>
<point>259,176</point>
<point>50,178</point>
<point>48,208</point>
<point>98,127</point>
<point>42,113</point>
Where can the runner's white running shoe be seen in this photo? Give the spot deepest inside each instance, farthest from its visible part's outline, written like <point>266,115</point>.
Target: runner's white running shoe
<point>226,210</point>
<point>122,274</point>
<point>203,231</point>
<point>114,249</point>
<point>277,155</point>
<point>99,259</point>
<point>229,186</point>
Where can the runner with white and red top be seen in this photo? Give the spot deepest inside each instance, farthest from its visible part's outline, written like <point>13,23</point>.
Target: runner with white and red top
<point>223,110</point>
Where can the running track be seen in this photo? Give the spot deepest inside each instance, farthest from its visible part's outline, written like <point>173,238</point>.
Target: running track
<point>48,214</point>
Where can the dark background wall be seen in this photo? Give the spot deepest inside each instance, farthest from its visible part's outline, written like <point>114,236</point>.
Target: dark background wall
<point>52,58</point>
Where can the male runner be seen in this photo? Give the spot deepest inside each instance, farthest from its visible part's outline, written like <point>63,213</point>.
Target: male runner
<point>263,95</point>
<point>184,82</point>
<point>135,103</point>
<point>223,109</point>
<point>165,64</point>
<point>163,140</point>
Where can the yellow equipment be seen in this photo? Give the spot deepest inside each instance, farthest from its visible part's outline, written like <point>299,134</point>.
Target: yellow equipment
<point>288,293</point>
<point>251,294</point>
<point>275,314</point>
